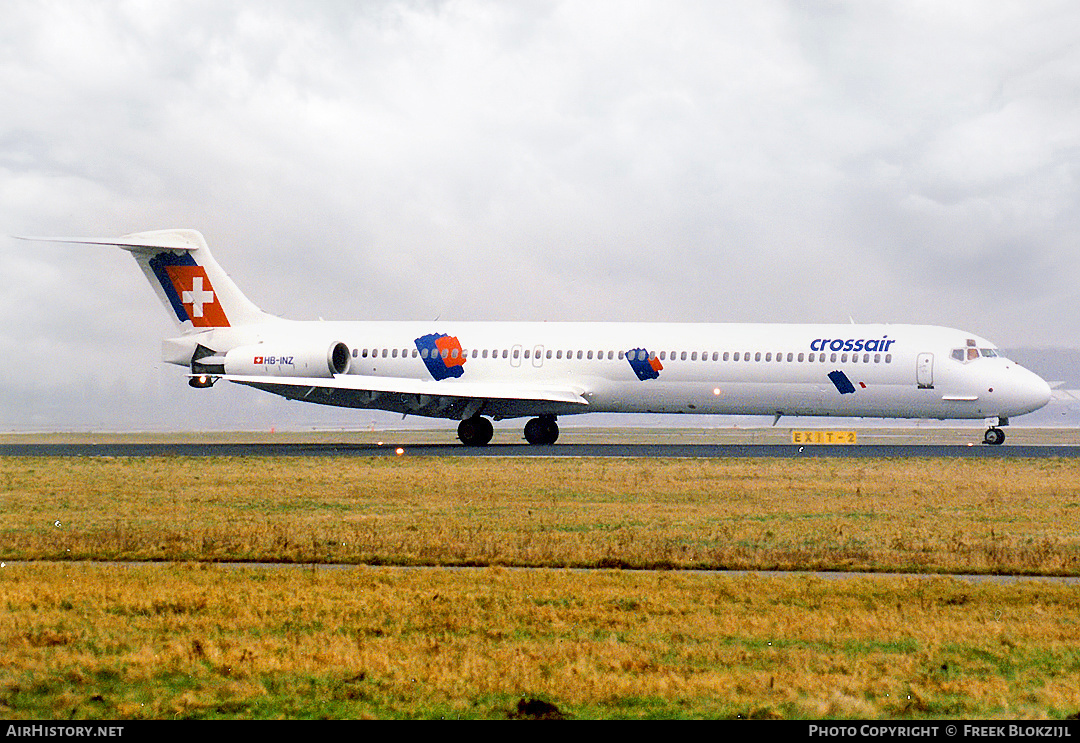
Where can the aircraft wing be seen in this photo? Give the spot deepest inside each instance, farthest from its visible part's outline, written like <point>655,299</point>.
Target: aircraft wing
<point>423,397</point>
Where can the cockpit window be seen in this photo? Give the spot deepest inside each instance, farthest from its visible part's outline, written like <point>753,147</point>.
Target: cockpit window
<point>971,353</point>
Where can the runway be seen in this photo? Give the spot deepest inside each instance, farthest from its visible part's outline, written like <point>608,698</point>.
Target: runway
<point>575,442</point>
<point>391,449</point>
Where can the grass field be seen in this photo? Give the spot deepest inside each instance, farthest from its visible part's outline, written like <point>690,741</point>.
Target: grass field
<point>923,515</point>
<point>189,639</point>
<point>91,641</point>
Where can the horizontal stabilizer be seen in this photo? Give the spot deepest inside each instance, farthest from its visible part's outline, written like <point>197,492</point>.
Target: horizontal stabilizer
<point>141,241</point>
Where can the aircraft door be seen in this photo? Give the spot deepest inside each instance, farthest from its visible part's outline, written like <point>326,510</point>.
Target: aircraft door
<point>538,356</point>
<point>515,355</point>
<point>924,371</point>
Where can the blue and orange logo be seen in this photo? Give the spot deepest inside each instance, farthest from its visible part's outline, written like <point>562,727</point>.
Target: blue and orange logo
<point>843,384</point>
<point>644,364</point>
<point>442,355</point>
<point>188,290</point>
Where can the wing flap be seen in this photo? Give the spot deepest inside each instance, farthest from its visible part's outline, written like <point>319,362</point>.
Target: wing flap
<point>406,386</point>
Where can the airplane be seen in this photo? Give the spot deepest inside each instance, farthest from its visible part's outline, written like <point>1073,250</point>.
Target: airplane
<point>477,372</point>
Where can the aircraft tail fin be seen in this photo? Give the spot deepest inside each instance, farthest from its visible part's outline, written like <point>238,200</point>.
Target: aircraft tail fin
<point>195,290</point>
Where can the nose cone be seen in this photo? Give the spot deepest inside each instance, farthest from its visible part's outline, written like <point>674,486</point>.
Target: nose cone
<point>1033,392</point>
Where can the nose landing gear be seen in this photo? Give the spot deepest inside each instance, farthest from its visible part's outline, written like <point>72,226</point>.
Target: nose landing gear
<point>994,436</point>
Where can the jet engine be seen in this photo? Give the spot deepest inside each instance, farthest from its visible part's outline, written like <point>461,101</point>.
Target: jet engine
<point>288,360</point>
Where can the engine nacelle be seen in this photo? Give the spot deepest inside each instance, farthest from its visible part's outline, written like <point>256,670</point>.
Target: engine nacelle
<point>288,360</point>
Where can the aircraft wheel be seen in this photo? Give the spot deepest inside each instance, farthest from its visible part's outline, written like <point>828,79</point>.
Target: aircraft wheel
<point>994,437</point>
<point>542,430</point>
<point>475,431</point>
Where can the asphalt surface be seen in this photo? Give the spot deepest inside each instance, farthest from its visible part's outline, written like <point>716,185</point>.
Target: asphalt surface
<point>655,450</point>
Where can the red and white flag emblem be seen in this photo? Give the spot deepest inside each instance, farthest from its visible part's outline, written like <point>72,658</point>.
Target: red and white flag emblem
<point>197,295</point>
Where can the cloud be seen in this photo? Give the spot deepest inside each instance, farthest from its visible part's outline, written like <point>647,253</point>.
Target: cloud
<point>556,161</point>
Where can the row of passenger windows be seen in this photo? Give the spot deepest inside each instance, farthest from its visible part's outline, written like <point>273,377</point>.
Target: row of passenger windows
<point>766,356</point>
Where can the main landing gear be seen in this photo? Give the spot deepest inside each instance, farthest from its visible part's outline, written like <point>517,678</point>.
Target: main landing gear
<point>477,430</point>
<point>542,430</point>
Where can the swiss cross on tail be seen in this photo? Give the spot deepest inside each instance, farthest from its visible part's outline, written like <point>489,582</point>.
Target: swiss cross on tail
<point>189,290</point>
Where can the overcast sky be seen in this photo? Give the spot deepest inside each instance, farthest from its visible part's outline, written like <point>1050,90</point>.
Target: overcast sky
<point>694,161</point>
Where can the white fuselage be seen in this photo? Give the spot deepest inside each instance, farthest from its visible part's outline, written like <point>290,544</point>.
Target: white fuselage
<point>879,371</point>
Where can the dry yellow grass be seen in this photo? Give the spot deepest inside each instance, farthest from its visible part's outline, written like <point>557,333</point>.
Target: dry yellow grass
<point>929,515</point>
<point>91,641</point>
